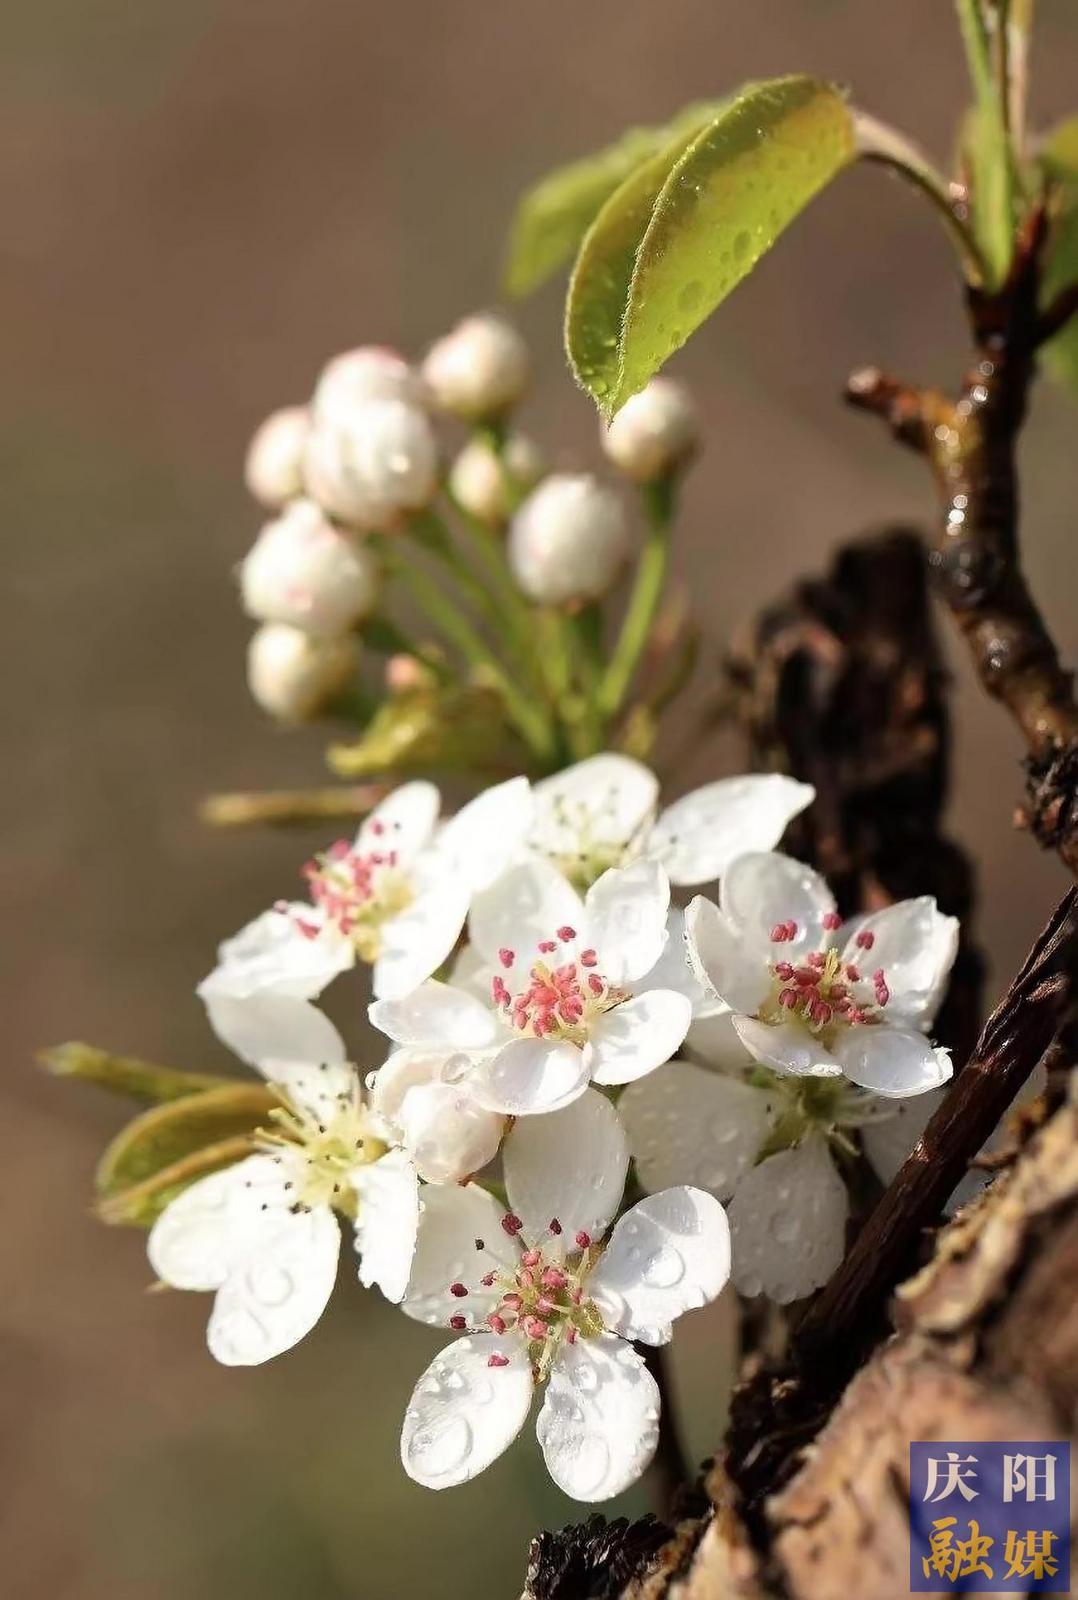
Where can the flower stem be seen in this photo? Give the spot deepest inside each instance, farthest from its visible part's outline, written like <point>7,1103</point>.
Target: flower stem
<point>644,600</point>
<point>290,807</point>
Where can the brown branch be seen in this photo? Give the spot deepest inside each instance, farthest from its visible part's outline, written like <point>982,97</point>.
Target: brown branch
<point>970,444</point>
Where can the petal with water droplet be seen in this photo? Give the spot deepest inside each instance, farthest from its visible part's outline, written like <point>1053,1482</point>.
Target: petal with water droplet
<point>454,1429</point>
<point>599,1422</point>
<point>668,1254</point>
<point>788,1224</point>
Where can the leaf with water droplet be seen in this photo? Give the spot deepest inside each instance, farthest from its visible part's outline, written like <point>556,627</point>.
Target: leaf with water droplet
<point>725,196</point>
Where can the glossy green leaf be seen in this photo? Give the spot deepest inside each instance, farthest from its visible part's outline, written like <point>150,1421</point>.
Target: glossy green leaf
<point>178,1130</point>
<point>1059,158</point>
<point>668,247</point>
<point>125,1075</point>
<point>554,215</point>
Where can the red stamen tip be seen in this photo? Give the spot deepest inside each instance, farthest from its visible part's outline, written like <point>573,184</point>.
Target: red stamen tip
<point>506,956</point>
<point>583,1240</point>
<point>511,1224</point>
<point>865,939</point>
<point>565,934</point>
<point>458,1290</point>
<point>589,958</point>
<point>831,921</point>
<point>555,1225</point>
<point>458,1322</point>
<point>497,1361</point>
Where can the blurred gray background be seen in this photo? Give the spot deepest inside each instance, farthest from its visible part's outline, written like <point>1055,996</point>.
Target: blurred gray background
<point>201,202</point>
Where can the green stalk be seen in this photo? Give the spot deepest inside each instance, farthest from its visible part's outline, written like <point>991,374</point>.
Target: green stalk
<point>993,202</point>
<point>643,601</point>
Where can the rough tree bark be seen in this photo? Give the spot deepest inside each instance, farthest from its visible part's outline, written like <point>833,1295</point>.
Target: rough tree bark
<point>807,1501</point>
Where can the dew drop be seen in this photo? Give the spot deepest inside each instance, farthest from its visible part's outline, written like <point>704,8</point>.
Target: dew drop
<point>665,1268</point>
<point>437,1452</point>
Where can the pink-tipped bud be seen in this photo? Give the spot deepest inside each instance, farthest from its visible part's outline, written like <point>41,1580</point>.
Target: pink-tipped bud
<point>865,939</point>
<point>583,1240</point>
<point>497,1361</point>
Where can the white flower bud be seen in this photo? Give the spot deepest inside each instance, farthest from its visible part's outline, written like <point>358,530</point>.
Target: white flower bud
<point>479,369</point>
<point>304,571</point>
<point>483,485</point>
<point>653,432</point>
<point>369,373</point>
<point>448,1134</point>
<point>569,540</point>
<point>383,462</point>
<point>292,675</point>
<point>273,470</point>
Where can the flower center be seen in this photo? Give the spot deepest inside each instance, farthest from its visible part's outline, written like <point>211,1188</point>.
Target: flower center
<point>821,991</point>
<point>544,1300</point>
<point>582,843</point>
<point>357,891</point>
<point>559,1000</point>
<point>323,1148</point>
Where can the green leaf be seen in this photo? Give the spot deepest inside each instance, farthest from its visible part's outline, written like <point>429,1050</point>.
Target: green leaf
<point>125,1075</point>
<point>168,1134</point>
<point>141,1204</point>
<point>1059,159</point>
<point>684,230</point>
<point>554,215</point>
<point>431,728</point>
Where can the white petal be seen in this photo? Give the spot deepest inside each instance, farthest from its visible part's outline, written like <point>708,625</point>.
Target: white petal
<point>291,1042</point>
<point>787,1047</point>
<point>638,1036</point>
<point>463,1412</point>
<point>528,1076</point>
<point>669,1254</point>
<point>607,800</point>
<point>488,834</point>
<point>915,945</point>
<point>722,960</point>
<point>712,1041</point>
<point>526,904</point>
<point>472,972</point>
<point>599,1422</point>
<point>421,938</point>
<point>625,919</point>
<point>436,1014</point>
<point>892,1061</point>
<point>199,1235</point>
<point>888,1141</point>
<point>571,1166</point>
<point>402,1070</point>
<point>673,970</point>
<point>272,953</point>
<point>278,1291</point>
<point>404,821</point>
<point>386,1222</point>
<point>689,1125</point>
<point>460,1240</point>
<point>447,1133</point>
<point>788,1224</point>
<point>758,891</point>
<point>698,837</point>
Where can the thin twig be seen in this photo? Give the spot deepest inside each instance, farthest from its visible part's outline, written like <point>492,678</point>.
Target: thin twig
<point>287,808</point>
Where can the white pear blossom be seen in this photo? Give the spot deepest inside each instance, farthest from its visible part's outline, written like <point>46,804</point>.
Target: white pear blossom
<point>654,432</point>
<point>569,540</point>
<point>264,1235</point>
<point>563,1000</point>
<point>293,675</point>
<point>424,1098</point>
<point>604,812</point>
<point>372,466</point>
<point>273,470</point>
<point>809,997</point>
<point>395,896</point>
<point>479,369</point>
<point>371,372</point>
<point>540,1298</point>
<point>485,484</point>
<point>304,571</point>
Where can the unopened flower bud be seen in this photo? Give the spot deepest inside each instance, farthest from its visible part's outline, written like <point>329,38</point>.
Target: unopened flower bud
<point>382,463</point>
<point>371,372</point>
<point>303,570</point>
<point>653,433</point>
<point>569,540</point>
<point>405,672</point>
<point>273,470</point>
<point>292,675</point>
<point>484,485</point>
<point>449,1136</point>
<point>479,369</point>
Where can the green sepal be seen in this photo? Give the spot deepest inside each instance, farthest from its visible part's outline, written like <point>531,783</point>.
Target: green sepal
<point>125,1075</point>
<point>431,727</point>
